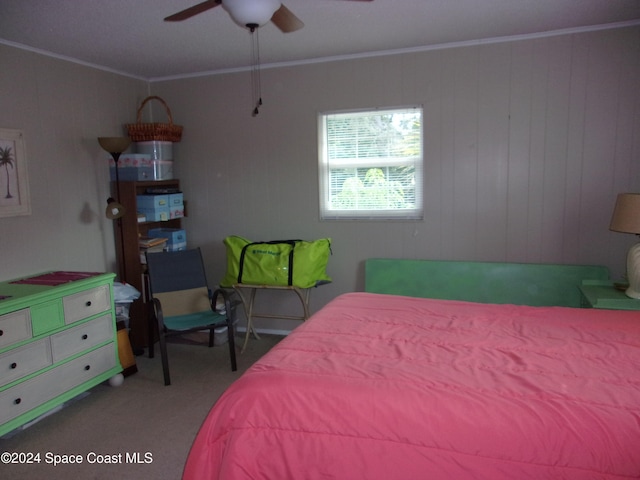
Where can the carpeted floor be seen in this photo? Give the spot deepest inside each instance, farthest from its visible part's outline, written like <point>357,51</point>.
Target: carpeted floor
<point>143,427</point>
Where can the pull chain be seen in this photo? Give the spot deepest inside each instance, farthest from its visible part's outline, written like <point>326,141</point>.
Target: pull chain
<point>255,71</point>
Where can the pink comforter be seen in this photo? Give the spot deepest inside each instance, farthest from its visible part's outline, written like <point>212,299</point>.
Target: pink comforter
<point>387,387</point>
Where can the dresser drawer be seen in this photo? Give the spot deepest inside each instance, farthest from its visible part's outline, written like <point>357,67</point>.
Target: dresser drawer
<point>46,316</point>
<point>34,392</point>
<point>83,337</point>
<point>24,360</point>
<point>84,304</point>
<point>15,327</point>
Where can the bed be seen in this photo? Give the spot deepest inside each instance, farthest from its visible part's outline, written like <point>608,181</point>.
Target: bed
<point>377,386</point>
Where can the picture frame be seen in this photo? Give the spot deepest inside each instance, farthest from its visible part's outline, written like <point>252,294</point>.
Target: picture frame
<point>14,183</point>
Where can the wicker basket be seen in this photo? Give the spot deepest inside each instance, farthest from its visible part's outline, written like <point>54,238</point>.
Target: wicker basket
<point>147,132</point>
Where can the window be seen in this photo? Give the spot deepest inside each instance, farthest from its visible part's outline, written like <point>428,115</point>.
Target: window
<point>371,164</point>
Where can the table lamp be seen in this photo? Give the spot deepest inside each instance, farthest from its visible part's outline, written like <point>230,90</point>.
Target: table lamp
<point>626,219</point>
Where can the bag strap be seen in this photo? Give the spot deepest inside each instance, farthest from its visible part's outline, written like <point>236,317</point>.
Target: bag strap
<point>293,248</point>
<point>241,264</point>
<point>272,242</point>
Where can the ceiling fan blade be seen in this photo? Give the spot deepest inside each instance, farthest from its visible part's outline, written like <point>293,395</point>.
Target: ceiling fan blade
<point>192,11</point>
<point>285,20</point>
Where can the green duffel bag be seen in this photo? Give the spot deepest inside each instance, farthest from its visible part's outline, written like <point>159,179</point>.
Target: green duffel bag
<point>279,262</point>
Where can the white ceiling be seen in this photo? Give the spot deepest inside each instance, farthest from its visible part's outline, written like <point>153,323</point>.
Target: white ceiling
<point>130,36</point>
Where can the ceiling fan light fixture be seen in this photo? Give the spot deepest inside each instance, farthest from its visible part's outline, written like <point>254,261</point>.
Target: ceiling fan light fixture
<point>251,12</point>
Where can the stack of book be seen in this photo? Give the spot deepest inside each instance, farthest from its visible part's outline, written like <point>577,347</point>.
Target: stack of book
<point>148,244</point>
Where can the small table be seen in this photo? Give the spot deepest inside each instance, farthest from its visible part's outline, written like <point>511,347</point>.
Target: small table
<point>600,294</point>
<point>248,303</point>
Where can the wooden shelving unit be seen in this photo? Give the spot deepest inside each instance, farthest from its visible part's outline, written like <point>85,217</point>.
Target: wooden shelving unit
<point>127,231</point>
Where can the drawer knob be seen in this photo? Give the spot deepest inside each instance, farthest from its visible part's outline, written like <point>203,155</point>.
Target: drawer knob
<point>88,304</point>
<point>14,365</point>
<point>1,332</point>
<point>85,336</point>
<point>17,401</point>
<point>87,367</point>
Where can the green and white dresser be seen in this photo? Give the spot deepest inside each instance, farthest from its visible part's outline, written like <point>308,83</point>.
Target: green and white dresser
<point>57,340</point>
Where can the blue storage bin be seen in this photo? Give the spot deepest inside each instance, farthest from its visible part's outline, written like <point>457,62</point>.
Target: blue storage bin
<point>159,214</point>
<point>175,247</point>
<point>176,200</point>
<point>176,211</point>
<point>152,201</point>
<point>174,236</point>
<point>131,174</point>
<point>132,167</point>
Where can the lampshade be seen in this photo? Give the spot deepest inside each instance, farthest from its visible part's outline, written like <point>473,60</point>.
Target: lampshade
<point>114,144</point>
<point>251,12</point>
<point>626,214</point>
<point>626,219</point>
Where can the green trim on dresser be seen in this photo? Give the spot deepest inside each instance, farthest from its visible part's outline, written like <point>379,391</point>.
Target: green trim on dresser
<point>55,343</point>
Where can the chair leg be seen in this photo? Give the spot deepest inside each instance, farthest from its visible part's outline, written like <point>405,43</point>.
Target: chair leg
<point>211,335</point>
<point>151,328</point>
<point>230,321</point>
<point>232,344</point>
<point>163,353</point>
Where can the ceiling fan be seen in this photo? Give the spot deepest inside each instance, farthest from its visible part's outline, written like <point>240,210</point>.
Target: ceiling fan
<point>250,14</point>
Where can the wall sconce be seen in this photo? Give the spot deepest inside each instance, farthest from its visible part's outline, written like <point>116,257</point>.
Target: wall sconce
<point>626,219</point>
<point>115,146</point>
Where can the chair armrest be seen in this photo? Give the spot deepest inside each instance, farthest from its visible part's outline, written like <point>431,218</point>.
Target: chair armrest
<point>227,302</point>
<point>157,309</point>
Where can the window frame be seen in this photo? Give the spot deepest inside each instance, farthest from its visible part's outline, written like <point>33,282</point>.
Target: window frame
<point>325,166</point>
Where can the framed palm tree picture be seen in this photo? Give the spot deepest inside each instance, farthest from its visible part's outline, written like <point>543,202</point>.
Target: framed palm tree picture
<point>14,185</point>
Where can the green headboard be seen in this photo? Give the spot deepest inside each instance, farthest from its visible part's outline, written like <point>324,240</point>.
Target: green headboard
<point>483,282</point>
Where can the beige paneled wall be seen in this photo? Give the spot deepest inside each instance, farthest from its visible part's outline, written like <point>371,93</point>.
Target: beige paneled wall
<point>527,144</point>
<point>62,108</point>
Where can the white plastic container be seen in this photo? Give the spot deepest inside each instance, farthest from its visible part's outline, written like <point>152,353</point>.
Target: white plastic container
<point>162,169</point>
<point>220,337</point>
<point>157,150</point>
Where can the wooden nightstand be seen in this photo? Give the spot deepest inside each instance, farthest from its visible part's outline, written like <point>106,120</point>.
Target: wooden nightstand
<point>599,294</point>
